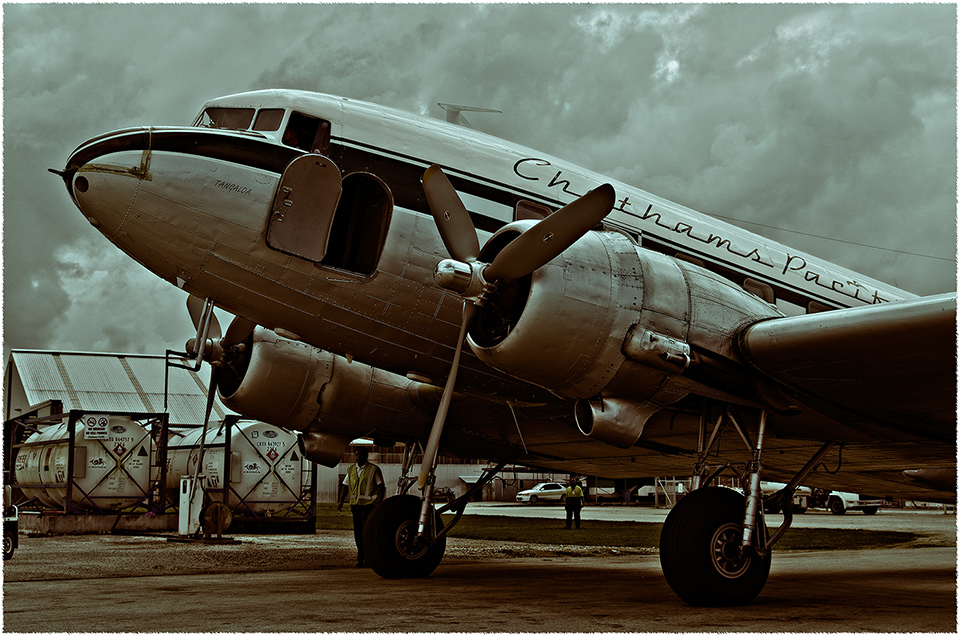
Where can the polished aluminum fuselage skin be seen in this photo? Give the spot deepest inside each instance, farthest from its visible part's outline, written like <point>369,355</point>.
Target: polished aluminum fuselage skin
<point>195,204</point>
<point>198,219</point>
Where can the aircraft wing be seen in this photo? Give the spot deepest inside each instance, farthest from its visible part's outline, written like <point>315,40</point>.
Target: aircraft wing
<point>890,366</point>
<point>881,379</point>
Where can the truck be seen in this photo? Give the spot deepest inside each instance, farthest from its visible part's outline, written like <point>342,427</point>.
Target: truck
<point>800,501</point>
<point>839,502</point>
<point>11,524</point>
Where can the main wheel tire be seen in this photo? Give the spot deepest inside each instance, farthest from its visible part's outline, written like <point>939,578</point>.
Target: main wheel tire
<point>836,507</point>
<point>389,540</point>
<point>534,499</point>
<point>700,550</point>
<point>871,510</point>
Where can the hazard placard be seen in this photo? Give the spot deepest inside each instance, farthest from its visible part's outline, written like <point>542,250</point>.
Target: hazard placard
<point>96,426</point>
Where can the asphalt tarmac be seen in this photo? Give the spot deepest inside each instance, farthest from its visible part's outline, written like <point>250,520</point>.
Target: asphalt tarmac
<point>112,584</point>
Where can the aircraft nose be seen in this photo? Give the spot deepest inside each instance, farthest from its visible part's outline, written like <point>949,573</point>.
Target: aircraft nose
<point>104,174</point>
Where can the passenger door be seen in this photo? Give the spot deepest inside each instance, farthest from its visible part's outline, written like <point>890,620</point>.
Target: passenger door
<point>304,207</point>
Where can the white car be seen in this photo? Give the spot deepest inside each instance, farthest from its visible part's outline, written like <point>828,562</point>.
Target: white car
<point>547,491</point>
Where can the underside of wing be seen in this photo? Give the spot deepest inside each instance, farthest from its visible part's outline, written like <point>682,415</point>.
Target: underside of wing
<point>879,381</point>
<point>883,366</point>
<point>545,436</point>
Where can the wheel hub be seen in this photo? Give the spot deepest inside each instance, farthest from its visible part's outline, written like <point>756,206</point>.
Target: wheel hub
<point>408,544</point>
<point>728,556</point>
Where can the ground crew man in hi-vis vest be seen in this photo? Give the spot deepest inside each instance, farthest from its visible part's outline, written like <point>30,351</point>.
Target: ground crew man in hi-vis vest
<point>573,502</point>
<point>363,484</point>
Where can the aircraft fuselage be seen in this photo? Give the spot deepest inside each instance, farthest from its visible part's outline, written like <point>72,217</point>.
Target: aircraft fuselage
<point>202,207</point>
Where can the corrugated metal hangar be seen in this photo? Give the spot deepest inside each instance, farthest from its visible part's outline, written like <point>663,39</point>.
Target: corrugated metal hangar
<point>98,382</point>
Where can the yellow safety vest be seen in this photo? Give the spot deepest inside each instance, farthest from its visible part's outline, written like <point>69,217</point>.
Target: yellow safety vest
<point>363,487</point>
<point>574,492</point>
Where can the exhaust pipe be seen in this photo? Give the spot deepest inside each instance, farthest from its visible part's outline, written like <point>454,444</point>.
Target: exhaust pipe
<point>325,449</point>
<point>612,421</point>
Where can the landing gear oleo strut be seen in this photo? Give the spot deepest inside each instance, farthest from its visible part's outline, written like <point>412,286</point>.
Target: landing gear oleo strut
<point>398,544</point>
<point>714,547</point>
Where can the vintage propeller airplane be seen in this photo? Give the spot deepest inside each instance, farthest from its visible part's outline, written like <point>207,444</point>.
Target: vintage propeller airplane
<point>610,332</point>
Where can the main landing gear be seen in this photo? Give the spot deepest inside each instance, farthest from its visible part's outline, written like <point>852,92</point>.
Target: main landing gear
<point>394,549</point>
<point>396,541</point>
<point>702,552</point>
<point>714,547</point>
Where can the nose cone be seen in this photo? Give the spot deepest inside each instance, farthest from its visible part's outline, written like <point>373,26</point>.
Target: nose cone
<point>104,198</point>
<point>104,175</point>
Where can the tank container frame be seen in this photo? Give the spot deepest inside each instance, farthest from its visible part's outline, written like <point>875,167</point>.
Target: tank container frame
<point>17,430</point>
<point>247,520</point>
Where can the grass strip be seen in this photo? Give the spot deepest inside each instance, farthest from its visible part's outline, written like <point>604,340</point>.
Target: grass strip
<point>633,534</point>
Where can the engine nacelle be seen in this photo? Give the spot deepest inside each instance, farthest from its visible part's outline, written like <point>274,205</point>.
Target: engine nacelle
<point>330,399</point>
<point>609,317</point>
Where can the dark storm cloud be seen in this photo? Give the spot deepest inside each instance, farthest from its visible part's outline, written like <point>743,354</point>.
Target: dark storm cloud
<point>835,120</point>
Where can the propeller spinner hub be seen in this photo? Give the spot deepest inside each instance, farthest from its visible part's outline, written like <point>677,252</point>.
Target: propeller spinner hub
<point>452,275</point>
<point>465,279</point>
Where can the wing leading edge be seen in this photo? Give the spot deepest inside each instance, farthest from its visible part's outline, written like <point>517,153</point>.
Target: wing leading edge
<point>891,366</point>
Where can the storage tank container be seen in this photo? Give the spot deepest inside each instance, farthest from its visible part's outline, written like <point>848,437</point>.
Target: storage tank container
<point>266,467</point>
<point>109,474</point>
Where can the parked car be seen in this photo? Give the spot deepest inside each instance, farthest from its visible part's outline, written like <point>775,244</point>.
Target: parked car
<point>547,491</point>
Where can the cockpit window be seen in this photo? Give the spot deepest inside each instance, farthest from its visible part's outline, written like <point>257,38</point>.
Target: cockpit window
<point>308,133</point>
<point>311,134</point>
<point>268,119</point>
<point>230,118</point>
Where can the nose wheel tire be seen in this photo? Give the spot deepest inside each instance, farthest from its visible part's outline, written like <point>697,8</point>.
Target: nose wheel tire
<point>390,540</point>
<point>700,550</point>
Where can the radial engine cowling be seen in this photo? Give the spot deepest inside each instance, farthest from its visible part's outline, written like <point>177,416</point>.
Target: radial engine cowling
<point>330,400</point>
<point>608,317</point>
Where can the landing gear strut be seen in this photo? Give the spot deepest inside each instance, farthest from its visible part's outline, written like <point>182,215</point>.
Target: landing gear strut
<point>701,550</point>
<point>714,547</point>
<point>396,541</point>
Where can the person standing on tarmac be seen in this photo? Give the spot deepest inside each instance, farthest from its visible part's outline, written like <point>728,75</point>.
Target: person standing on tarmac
<point>363,484</point>
<point>573,502</point>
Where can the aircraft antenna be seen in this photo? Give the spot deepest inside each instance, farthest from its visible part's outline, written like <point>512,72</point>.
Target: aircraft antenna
<point>454,115</point>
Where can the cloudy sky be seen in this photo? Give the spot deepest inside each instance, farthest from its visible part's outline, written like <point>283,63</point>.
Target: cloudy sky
<point>802,121</point>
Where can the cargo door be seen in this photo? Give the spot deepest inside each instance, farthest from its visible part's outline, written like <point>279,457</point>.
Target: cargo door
<point>304,207</point>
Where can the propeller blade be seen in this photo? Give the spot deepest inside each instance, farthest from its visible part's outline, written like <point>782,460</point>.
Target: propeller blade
<point>211,392</point>
<point>238,331</point>
<point>452,219</point>
<point>547,239</point>
<point>433,442</point>
<point>196,308</point>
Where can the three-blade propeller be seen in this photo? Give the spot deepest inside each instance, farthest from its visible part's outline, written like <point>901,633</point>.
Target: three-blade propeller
<point>209,345</point>
<point>531,250</point>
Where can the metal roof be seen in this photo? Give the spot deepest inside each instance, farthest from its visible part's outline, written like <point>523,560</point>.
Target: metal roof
<point>109,382</point>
